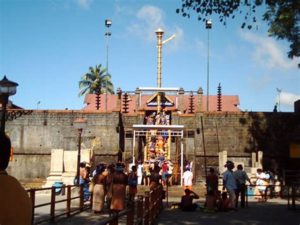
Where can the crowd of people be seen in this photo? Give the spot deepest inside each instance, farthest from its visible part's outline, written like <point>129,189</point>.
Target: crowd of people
<point>114,186</point>
<point>234,187</point>
<point>110,183</point>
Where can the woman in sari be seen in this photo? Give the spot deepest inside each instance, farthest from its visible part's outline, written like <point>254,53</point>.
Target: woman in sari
<point>99,190</point>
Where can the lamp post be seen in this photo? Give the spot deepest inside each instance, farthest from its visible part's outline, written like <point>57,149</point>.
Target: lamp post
<point>108,23</point>
<point>7,88</point>
<point>208,26</point>
<point>79,124</point>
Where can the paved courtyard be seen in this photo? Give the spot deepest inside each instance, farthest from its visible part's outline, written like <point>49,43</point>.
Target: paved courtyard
<point>274,212</point>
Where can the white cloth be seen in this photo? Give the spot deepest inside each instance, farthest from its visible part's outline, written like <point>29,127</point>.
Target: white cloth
<point>140,173</point>
<point>187,178</point>
<point>260,181</point>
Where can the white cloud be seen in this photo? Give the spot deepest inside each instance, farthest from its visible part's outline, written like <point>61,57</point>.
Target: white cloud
<point>84,4</point>
<point>267,52</point>
<point>148,19</point>
<point>286,98</point>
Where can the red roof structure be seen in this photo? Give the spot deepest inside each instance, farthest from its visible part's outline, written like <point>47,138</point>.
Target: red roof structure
<point>182,103</point>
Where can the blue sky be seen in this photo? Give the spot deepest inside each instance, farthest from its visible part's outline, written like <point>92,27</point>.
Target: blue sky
<point>47,45</point>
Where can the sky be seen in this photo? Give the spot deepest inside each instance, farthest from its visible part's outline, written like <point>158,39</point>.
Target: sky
<point>46,46</point>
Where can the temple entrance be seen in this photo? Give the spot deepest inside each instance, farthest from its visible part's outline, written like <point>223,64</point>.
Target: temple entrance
<point>162,144</point>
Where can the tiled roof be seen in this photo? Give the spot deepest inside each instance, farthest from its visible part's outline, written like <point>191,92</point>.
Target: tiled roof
<point>108,103</point>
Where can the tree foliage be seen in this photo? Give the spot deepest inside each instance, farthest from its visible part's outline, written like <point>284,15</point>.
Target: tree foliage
<point>282,16</point>
<point>96,81</point>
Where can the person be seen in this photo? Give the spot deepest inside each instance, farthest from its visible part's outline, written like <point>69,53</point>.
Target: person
<point>186,203</point>
<point>16,206</point>
<point>119,183</point>
<point>109,182</point>
<point>84,180</point>
<point>170,173</point>
<point>260,185</point>
<point>99,189</point>
<point>139,172</point>
<point>132,183</point>
<point>155,177</point>
<point>146,173</point>
<point>164,173</point>
<point>229,183</point>
<point>241,177</point>
<point>187,178</point>
<point>212,181</point>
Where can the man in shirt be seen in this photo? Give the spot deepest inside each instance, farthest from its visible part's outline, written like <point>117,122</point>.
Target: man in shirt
<point>187,179</point>
<point>15,207</point>
<point>241,177</point>
<point>229,183</point>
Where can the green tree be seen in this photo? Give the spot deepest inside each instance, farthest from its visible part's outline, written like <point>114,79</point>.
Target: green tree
<point>96,81</point>
<point>282,16</point>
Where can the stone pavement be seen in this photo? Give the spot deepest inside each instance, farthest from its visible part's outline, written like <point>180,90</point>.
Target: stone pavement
<point>273,212</point>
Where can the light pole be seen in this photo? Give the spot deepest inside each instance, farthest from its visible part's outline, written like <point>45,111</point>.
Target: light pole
<point>108,23</point>
<point>208,26</point>
<point>79,124</point>
<point>7,88</point>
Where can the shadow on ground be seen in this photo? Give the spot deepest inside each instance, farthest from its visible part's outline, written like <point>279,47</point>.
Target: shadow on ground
<point>270,213</point>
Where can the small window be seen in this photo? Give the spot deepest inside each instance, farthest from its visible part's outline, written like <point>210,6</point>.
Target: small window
<point>128,134</point>
<point>190,133</point>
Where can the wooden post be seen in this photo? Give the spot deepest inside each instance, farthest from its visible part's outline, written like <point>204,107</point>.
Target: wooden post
<point>147,208</point>
<point>81,201</point>
<point>140,210</point>
<point>91,200</point>
<point>52,208</point>
<point>68,207</point>
<point>293,197</point>
<point>32,198</point>
<point>115,219</point>
<point>130,216</point>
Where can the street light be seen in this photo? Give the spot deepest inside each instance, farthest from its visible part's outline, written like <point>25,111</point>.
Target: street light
<point>108,23</point>
<point>208,26</point>
<point>79,124</point>
<point>7,88</point>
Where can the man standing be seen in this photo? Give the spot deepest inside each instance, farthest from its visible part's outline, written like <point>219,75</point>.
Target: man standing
<point>229,183</point>
<point>241,177</point>
<point>15,207</point>
<point>187,179</point>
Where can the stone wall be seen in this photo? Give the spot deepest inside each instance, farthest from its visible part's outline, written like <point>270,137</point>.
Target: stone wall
<point>33,136</point>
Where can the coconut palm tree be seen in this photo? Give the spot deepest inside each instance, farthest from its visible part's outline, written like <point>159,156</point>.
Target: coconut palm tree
<point>96,81</point>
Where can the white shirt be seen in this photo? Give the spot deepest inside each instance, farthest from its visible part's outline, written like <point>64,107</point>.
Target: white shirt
<point>187,178</point>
